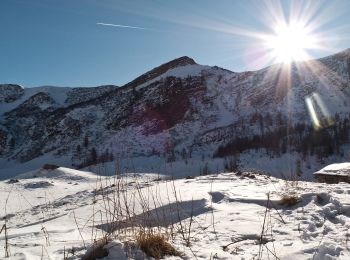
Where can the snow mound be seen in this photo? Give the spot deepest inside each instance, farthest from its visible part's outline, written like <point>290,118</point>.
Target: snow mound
<point>59,173</point>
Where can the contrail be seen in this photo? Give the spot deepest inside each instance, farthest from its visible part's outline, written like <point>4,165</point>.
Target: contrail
<point>122,26</point>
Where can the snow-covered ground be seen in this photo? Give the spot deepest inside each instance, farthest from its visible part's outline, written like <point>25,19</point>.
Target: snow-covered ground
<point>281,167</point>
<point>52,214</point>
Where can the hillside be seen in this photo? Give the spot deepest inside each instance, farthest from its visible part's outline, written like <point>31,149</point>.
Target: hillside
<point>282,120</point>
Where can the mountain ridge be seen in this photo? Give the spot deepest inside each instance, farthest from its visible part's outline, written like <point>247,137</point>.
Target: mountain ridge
<point>185,60</point>
<point>180,111</point>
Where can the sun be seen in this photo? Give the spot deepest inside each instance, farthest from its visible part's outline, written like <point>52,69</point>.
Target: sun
<point>290,42</point>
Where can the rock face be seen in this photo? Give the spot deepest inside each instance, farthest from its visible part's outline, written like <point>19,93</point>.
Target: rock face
<point>181,110</point>
<point>10,92</point>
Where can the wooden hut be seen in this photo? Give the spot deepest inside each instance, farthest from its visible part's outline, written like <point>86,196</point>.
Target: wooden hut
<point>334,173</point>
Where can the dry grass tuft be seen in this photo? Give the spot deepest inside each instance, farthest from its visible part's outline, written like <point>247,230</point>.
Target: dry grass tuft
<point>289,200</point>
<point>97,250</point>
<point>155,245</point>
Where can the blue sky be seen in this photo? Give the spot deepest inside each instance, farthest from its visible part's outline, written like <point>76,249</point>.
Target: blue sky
<point>60,43</point>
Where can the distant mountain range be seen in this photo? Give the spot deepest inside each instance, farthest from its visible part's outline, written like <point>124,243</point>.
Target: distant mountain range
<point>181,112</point>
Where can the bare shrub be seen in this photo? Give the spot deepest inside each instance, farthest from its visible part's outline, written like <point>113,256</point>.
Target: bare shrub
<point>289,199</point>
<point>133,211</point>
<point>155,244</point>
<point>290,190</point>
<point>97,250</point>
<point>4,228</point>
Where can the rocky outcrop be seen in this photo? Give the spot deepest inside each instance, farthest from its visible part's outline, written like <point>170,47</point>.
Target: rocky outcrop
<point>10,92</point>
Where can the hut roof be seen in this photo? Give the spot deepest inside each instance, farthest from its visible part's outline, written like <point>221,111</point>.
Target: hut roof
<point>336,169</point>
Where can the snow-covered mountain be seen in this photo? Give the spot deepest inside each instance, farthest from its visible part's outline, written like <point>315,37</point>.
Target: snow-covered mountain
<point>183,111</point>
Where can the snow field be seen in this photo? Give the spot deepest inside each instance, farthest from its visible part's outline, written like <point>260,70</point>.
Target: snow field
<point>52,214</point>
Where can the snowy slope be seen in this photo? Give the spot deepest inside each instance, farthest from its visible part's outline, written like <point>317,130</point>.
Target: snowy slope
<point>185,111</point>
<point>50,213</point>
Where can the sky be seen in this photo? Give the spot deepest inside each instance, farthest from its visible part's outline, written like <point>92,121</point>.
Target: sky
<point>81,43</point>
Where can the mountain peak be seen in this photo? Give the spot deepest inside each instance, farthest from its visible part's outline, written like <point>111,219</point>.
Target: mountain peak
<point>181,61</point>
<point>157,71</point>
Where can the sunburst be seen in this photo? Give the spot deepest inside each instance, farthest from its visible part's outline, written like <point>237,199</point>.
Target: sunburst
<point>290,42</point>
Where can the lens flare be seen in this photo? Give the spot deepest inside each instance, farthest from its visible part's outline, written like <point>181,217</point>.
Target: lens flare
<point>312,112</point>
<point>320,118</point>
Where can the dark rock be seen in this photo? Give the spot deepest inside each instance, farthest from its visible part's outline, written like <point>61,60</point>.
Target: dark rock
<point>50,167</point>
<point>11,181</point>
